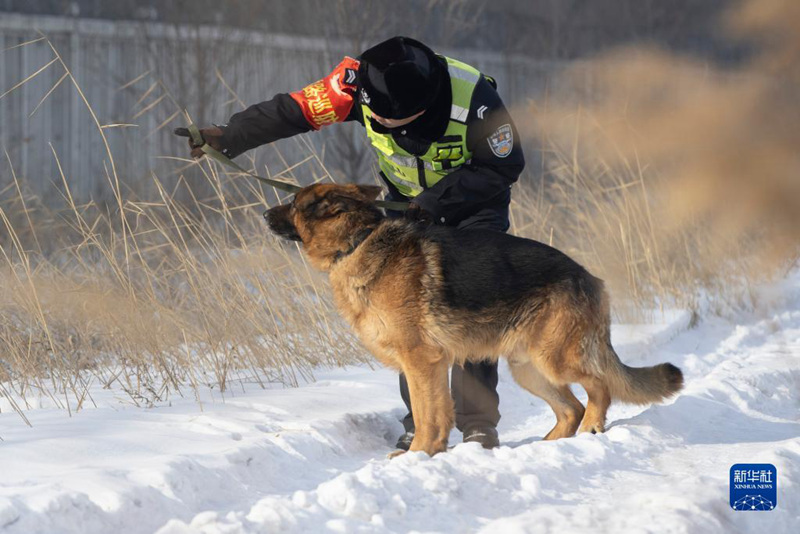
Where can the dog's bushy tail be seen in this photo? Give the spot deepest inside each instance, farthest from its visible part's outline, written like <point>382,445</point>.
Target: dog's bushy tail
<point>636,385</point>
<point>640,385</point>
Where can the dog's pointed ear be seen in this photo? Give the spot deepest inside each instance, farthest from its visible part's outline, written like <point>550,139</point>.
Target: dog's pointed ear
<point>347,199</point>
<point>329,205</point>
<point>333,203</point>
<point>367,192</point>
<point>370,192</point>
<point>341,198</point>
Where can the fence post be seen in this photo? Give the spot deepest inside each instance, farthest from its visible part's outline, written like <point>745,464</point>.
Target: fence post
<point>25,127</point>
<point>74,140</point>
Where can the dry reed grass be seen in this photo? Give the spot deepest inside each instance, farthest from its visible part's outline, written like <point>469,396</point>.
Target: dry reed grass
<point>163,297</point>
<point>678,181</point>
<point>187,296</point>
<point>156,297</point>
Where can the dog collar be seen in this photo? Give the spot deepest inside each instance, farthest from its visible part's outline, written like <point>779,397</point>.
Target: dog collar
<point>360,237</point>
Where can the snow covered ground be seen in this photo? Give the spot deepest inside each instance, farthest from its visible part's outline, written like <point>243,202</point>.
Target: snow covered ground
<point>313,459</point>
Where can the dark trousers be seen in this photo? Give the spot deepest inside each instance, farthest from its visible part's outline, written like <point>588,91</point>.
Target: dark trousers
<point>474,391</point>
<point>473,386</point>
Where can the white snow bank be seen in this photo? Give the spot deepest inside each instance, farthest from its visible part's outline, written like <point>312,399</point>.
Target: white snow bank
<point>312,459</point>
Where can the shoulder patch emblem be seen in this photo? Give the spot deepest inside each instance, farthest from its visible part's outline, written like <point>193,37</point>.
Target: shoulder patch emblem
<point>502,141</point>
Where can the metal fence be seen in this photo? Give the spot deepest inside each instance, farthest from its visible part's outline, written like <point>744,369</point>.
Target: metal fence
<point>140,75</point>
<point>137,77</point>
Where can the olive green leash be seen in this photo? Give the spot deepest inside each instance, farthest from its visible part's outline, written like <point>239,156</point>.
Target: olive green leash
<point>212,152</point>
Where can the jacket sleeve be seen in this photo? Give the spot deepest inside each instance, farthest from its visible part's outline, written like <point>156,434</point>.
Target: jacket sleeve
<point>497,160</point>
<point>323,102</point>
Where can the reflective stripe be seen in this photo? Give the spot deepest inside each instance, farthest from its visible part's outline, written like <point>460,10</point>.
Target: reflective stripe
<point>457,113</point>
<point>408,183</point>
<point>403,161</point>
<point>462,74</point>
<point>411,161</point>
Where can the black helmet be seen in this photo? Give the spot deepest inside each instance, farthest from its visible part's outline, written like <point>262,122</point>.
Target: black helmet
<point>399,77</point>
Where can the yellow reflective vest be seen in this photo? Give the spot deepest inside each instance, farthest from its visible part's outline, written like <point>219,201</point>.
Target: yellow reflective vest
<point>412,174</point>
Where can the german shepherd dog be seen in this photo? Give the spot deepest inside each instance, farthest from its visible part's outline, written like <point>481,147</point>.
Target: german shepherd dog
<point>422,298</point>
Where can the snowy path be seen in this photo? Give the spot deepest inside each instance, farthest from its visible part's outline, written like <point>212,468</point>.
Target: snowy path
<point>312,459</point>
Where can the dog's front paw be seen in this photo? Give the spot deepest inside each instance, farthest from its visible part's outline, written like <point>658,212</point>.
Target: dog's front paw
<point>395,454</point>
<point>431,449</point>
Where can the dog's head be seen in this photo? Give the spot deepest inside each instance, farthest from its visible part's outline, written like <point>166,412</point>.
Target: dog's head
<point>325,218</point>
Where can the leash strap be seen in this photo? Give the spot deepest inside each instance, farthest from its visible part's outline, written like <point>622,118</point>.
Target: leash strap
<point>210,151</point>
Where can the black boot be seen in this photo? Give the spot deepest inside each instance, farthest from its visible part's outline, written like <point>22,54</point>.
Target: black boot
<point>404,441</point>
<point>486,436</point>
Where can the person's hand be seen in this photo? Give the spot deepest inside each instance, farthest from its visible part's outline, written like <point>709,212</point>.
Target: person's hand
<point>212,135</point>
<point>415,213</point>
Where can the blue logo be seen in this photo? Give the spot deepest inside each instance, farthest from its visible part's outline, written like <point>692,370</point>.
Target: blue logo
<point>754,487</point>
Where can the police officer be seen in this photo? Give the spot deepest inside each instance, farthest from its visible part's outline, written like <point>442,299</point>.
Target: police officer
<point>445,142</point>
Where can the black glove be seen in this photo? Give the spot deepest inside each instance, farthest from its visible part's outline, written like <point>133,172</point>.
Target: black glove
<point>416,214</point>
<point>211,135</point>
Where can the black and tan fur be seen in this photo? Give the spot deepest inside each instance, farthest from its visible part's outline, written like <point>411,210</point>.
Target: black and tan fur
<point>422,298</point>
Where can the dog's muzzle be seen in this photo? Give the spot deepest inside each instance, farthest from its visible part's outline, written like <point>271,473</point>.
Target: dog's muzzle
<point>280,224</point>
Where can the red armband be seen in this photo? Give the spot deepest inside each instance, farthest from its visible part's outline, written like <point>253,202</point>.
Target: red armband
<point>330,99</point>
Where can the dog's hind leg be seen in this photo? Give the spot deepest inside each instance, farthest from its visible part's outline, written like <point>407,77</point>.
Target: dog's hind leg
<point>568,409</point>
<point>599,399</point>
<point>426,372</point>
